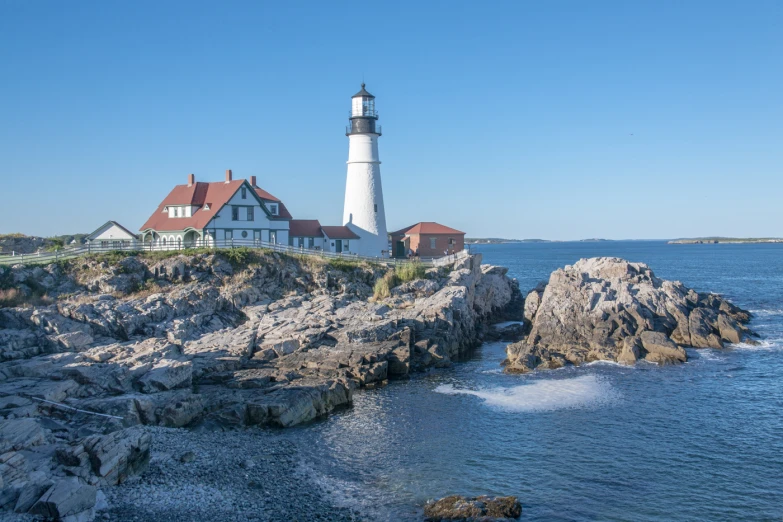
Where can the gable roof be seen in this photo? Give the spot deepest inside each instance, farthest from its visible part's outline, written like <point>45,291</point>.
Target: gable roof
<point>215,194</point>
<point>98,231</point>
<point>304,228</point>
<point>426,227</point>
<point>341,232</point>
<point>282,211</point>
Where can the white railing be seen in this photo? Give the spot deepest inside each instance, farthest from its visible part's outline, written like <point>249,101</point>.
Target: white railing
<point>450,259</point>
<point>81,250</point>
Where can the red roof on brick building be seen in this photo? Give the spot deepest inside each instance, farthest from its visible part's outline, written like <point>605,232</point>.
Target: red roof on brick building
<point>426,227</point>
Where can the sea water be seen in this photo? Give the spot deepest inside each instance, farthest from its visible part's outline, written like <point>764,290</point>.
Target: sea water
<point>698,441</point>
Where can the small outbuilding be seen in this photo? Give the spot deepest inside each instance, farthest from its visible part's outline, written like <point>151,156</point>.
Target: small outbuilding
<point>112,235</point>
<point>428,238</point>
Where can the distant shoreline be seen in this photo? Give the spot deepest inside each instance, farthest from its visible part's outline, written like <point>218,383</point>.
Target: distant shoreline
<point>717,240</point>
<point>683,241</point>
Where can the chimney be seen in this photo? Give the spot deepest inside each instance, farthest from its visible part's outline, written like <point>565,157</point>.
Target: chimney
<point>191,180</point>
<point>228,175</point>
<point>252,181</point>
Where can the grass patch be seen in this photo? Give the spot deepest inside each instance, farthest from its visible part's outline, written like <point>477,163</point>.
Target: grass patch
<point>13,297</point>
<point>384,285</point>
<point>12,234</point>
<point>401,274</point>
<point>410,272</point>
<point>344,265</point>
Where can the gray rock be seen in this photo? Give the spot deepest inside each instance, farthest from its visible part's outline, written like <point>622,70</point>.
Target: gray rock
<point>67,498</point>
<point>610,309</point>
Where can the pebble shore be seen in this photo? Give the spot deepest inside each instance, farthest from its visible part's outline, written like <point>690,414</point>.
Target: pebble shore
<point>238,475</point>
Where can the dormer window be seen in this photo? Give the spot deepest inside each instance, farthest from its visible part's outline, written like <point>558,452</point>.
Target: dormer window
<point>244,193</point>
<point>273,209</point>
<point>206,206</point>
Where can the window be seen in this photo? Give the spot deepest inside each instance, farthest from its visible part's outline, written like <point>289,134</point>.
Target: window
<point>234,213</point>
<point>163,241</point>
<point>273,209</point>
<point>176,211</point>
<point>272,236</point>
<point>451,241</point>
<point>433,241</point>
<point>244,193</point>
<point>310,242</point>
<point>250,214</point>
<point>229,234</point>
<point>345,245</point>
<point>104,244</point>
<point>376,208</point>
<point>244,234</point>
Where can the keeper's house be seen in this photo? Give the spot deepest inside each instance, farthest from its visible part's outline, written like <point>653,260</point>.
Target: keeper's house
<point>215,213</point>
<point>428,238</point>
<point>235,212</point>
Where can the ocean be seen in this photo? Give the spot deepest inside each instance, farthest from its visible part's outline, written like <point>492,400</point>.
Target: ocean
<point>698,441</point>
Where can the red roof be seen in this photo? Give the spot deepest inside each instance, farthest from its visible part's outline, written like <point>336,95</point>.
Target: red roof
<point>339,233</point>
<point>282,211</point>
<point>426,227</point>
<point>215,194</point>
<point>304,228</point>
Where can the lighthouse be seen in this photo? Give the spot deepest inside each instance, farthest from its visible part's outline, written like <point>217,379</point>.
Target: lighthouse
<point>363,212</point>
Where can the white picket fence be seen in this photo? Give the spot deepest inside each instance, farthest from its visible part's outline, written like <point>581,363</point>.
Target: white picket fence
<point>81,250</point>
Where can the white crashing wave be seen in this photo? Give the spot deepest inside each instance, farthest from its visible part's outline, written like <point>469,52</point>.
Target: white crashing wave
<point>542,395</point>
<point>762,345</point>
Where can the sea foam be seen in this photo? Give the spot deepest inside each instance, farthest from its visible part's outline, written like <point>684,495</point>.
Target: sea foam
<point>542,395</point>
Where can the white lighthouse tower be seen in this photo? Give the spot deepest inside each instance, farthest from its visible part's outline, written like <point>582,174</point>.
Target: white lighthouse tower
<point>363,212</point>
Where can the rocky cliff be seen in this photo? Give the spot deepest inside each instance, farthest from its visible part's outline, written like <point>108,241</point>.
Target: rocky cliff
<point>227,339</point>
<point>610,309</point>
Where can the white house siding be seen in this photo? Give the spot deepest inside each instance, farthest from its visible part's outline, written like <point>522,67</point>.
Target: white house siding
<point>260,225</point>
<point>114,233</point>
<point>304,242</point>
<point>354,246</point>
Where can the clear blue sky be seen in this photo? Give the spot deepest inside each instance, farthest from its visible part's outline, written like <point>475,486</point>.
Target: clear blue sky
<point>558,120</point>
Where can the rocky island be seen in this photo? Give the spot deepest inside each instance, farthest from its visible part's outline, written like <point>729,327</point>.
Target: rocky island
<point>99,350</point>
<point>610,309</point>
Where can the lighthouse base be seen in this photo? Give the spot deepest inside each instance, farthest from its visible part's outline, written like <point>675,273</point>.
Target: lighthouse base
<point>370,245</point>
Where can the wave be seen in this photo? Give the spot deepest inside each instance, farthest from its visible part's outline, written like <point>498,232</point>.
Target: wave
<point>767,312</point>
<point>762,345</point>
<point>543,395</point>
<point>706,354</point>
<point>506,324</point>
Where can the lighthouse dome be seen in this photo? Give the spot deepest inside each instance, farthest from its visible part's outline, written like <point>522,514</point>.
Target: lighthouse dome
<point>363,93</point>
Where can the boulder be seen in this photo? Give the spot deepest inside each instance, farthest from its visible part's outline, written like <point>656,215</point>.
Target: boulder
<point>68,499</point>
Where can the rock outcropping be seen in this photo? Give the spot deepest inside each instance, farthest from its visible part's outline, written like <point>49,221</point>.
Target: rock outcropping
<point>466,509</point>
<point>610,309</point>
<point>218,339</point>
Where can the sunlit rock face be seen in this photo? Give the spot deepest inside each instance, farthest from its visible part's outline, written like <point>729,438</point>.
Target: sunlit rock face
<point>611,309</point>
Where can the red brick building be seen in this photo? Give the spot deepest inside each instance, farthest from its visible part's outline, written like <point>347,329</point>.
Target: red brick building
<point>430,239</point>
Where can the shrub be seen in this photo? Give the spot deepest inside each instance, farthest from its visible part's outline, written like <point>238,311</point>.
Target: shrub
<point>240,257</point>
